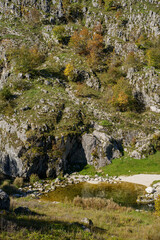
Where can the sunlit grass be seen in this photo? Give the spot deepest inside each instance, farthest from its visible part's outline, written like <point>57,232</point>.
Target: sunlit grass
<point>63,221</point>
<point>127,166</point>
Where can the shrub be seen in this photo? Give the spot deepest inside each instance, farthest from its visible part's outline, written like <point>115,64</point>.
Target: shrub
<point>143,42</point>
<point>34,178</point>
<point>157,205</point>
<point>122,95</point>
<point>153,57</point>
<point>60,33</point>
<point>132,61</point>
<point>156,141</point>
<point>95,203</point>
<point>113,74</point>
<point>111,5</point>
<point>21,84</point>
<point>79,41</point>
<point>106,123</point>
<point>6,93</point>
<point>69,72</point>
<point>34,16</point>
<point>9,188</point>
<point>89,44</point>
<point>18,182</point>
<point>95,47</point>
<point>26,59</point>
<point>74,12</point>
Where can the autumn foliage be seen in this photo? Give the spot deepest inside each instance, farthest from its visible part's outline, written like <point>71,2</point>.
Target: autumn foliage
<point>26,59</point>
<point>69,71</point>
<point>122,95</point>
<point>79,41</point>
<point>88,44</point>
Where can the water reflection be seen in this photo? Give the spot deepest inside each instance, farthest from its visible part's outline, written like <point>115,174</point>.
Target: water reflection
<point>124,194</point>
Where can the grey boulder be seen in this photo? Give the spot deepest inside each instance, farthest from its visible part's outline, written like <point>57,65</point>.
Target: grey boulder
<point>4,200</point>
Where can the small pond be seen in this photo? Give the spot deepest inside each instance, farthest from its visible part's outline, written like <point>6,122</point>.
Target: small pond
<point>124,194</point>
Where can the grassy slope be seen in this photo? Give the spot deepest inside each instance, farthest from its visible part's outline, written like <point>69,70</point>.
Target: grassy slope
<point>54,222</point>
<point>129,166</point>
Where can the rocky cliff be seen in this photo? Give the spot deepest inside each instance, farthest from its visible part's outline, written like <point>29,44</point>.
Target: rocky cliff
<point>79,84</point>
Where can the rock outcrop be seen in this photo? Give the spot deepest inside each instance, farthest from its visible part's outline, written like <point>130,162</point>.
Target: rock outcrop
<point>68,155</point>
<point>146,88</point>
<point>100,148</point>
<point>4,201</point>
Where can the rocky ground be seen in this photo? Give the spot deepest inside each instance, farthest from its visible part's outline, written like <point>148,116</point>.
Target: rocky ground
<point>45,186</point>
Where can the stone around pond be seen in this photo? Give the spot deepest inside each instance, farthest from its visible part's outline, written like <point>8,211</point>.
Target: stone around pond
<point>150,190</point>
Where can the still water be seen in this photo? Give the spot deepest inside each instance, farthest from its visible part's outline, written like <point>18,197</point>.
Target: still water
<point>124,194</point>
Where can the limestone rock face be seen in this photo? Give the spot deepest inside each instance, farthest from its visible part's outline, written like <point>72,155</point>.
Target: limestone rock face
<point>146,87</point>
<point>13,147</point>
<point>100,148</point>
<point>4,200</point>
<point>10,162</point>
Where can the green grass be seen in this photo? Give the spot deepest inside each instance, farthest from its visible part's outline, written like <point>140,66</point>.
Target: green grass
<point>129,166</point>
<point>155,182</point>
<point>63,221</point>
<point>88,170</point>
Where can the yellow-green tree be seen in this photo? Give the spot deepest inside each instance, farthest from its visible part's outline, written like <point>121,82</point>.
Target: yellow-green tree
<point>69,71</point>
<point>157,205</point>
<point>153,57</point>
<point>59,32</point>
<point>122,95</point>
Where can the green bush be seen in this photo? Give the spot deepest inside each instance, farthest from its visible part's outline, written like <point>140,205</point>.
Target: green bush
<point>122,95</point>
<point>113,74</point>
<point>6,93</point>
<point>9,188</point>
<point>132,60</point>
<point>21,84</point>
<point>153,57</point>
<point>26,59</point>
<point>60,33</point>
<point>157,205</point>
<point>111,5</point>
<point>34,178</point>
<point>18,182</point>
<point>106,123</point>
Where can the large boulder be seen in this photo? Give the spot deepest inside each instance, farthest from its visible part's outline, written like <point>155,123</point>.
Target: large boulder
<point>4,200</point>
<point>100,149</point>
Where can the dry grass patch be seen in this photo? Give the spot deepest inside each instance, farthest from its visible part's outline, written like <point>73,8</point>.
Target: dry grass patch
<point>96,203</point>
<point>18,182</point>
